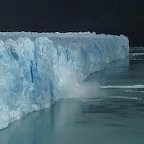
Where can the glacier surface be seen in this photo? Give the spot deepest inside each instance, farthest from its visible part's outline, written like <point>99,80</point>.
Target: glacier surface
<point>36,67</point>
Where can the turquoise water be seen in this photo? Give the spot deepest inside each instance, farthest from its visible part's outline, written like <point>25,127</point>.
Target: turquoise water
<point>113,116</point>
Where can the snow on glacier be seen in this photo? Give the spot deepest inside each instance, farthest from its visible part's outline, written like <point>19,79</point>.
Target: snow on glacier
<point>37,69</point>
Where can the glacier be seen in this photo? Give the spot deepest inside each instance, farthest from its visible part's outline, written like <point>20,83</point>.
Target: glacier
<point>36,67</point>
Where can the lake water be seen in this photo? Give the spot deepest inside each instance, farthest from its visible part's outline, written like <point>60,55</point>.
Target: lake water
<point>114,116</point>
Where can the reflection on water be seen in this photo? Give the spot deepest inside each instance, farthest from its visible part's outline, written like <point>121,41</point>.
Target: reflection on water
<point>101,120</point>
<point>114,116</point>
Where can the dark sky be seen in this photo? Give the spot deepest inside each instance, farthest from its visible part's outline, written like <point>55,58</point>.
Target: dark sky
<point>101,16</point>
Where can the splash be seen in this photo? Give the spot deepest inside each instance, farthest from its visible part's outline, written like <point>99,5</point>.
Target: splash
<point>73,87</point>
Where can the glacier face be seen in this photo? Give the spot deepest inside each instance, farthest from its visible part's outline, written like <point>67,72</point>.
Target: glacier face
<point>34,67</point>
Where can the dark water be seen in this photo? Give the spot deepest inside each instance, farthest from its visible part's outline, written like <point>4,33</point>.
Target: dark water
<point>114,116</point>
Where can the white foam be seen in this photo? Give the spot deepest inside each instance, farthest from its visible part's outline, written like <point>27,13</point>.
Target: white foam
<point>126,97</point>
<point>123,87</point>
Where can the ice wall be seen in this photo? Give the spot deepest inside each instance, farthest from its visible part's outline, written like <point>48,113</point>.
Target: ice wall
<point>33,67</point>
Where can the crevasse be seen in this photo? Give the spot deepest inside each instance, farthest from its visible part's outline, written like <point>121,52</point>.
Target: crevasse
<point>33,67</point>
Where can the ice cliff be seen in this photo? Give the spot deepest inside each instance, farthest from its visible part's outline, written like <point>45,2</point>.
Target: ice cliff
<point>34,67</point>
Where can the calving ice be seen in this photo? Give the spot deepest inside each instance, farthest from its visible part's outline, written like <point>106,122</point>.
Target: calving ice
<point>37,69</point>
